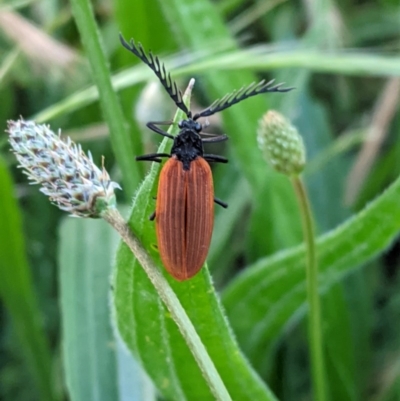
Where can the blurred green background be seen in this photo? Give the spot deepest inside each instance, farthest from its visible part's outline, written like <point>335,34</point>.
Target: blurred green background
<point>343,59</point>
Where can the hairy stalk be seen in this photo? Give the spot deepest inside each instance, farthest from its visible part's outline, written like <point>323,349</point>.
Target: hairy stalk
<point>314,316</point>
<point>171,301</point>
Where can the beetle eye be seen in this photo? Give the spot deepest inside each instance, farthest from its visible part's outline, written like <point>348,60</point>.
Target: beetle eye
<point>180,124</point>
<point>198,127</point>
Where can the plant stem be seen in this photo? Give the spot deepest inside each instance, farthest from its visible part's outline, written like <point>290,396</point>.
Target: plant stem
<point>314,320</point>
<point>171,301</point>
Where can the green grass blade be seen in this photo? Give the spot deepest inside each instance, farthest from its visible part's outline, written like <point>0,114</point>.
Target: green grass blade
<point>17,292</point>
<point>120,138</point>
<point>86,256</point>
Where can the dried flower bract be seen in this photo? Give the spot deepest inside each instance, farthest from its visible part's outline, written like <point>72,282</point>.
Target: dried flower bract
<point>66,174</point>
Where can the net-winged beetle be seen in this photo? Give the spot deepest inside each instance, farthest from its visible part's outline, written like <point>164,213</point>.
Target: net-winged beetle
<point>185,197</point>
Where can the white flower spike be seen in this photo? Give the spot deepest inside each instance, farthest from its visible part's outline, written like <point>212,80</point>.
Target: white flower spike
<point>66,174</point>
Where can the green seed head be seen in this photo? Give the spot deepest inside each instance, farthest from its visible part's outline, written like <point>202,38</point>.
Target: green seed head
<point>281,144</point>
<point>67,175</point>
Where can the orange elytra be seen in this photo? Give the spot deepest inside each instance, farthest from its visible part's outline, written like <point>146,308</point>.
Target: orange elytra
<point>184,216</point>
<point>185,198</point>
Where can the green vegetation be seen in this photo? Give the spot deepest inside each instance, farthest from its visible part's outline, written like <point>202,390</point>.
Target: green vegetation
<point>79,318</point>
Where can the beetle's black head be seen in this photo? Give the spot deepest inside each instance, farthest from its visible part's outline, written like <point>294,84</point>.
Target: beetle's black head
<point>188,145</point>
<point>191,125</point>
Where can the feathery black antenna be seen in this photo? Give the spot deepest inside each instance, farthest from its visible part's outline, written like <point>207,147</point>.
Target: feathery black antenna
<point>237,96</point>
<point>159,69</point>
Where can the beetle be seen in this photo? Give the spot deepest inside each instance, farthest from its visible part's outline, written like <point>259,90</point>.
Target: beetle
<point>185,197</point>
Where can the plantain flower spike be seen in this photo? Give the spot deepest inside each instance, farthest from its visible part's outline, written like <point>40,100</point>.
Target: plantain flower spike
<point>281,144</point>
<point>66,174</point>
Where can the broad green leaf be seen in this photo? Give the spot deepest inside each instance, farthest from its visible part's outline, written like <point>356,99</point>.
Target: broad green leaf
<point>17,292</point>
<point>268,295</point>
<point>89,350</point>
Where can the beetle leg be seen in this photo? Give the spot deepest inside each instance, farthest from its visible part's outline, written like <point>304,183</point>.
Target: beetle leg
<point>217,138</point>
<point>152,216</point>
<point>153,126</point>
<point>215,158</point>
<point>220,202</point>
<point>152,157</point>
